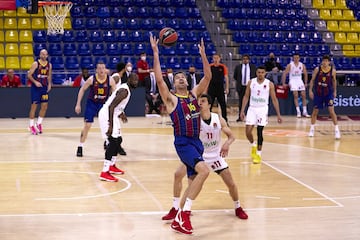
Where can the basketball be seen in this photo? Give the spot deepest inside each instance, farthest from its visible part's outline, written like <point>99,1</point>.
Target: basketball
<point>168,37</point>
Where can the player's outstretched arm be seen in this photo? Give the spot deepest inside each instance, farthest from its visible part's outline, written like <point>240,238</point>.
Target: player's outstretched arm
<point>81,93</point>
<point>204,82</point>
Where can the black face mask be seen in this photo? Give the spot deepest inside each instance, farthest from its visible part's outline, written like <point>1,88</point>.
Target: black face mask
<point>272,59</point>
<point>191,72</point>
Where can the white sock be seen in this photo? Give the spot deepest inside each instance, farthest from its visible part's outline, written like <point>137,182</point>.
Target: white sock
<point>336,127</point>
<point>258,152</point>
<point>31,122</point>
<point>298,109</point>
<point>312,127</point>
<point>237,204</point>
<point>176,202</point>
<point>188,204</point>
<point>253,144</point>
<point>40,119</point>
<point>106,166</point>
<point>304,109</point>
<point>113,160</point>
<point>81,144</point>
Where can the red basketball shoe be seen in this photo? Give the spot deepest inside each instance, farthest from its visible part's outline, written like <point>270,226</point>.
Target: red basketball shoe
<point>39,128</point>
<point>239,212</point>
<point>182,222</point>
<point>114,170</point>
<point>33,130</point>
<point>171,215</point>
<point>106,176</point>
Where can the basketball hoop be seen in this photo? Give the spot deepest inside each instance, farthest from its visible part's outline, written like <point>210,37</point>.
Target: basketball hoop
<point>55,13</point>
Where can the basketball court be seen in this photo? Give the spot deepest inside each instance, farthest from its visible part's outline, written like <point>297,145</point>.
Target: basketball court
<point>305,188</point>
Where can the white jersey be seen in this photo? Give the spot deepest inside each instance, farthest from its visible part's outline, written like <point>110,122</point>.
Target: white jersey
<point>259,93</point>
<point>210,136</point>
<point>296,72</point>
<point>121,106</point>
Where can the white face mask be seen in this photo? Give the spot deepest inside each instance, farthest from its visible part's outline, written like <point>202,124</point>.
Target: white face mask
<point>129,68</point>
<point>170,75</point>
<point>143,58</point>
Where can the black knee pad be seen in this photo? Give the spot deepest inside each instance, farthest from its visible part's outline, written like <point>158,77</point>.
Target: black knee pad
<point>112,148</point>
<point>260,139</point>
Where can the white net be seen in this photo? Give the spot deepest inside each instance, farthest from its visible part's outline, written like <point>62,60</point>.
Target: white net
<point>55,14</point>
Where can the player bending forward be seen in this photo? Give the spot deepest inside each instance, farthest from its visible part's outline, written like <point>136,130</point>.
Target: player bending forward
<point>212,125</point>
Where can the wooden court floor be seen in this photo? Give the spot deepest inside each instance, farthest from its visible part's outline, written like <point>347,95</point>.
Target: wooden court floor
<point>305,188</point>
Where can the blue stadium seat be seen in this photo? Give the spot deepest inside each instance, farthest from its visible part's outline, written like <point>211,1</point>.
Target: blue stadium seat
<point>173,62</point>
<point>199,24</point>
<point>297,25</point>
<point>311,50</point>
<point>298,48</point>
<point>113,61</point>
<point>84,49</point>
<point>68,36</point>
<point>190,36</point>
<point>235,24</point>
<point>291,37</point>
<point>185,24</point>
<point>109,36</point>
<point>103,12</point>
<point>157,13</point>
<point>315,37</point>
<point>126,49</point>
<point>89,11</point>
<point>278,37</point>
<point>123,36</point>
<point>136,36</point>
<point>245,49</point>
<point>116,12</point>
<point>259,50</point>
<point>92,23</point>
<point>57,62</point>
<point>285,50</point>
<point>98,49</point>
<point>146,24</point>
<point>194,12</point>
<point>273,24</point>
<point>39,36</point>
<point>290,14</point>
<point>105,23</point>
<point>95,36</point>
<point>144,12</point>
<point>309,25</point>
<point>173,23</point>
<point>168,12</point>
<point>70,49</point>
<point>324,49</point>
<point>86,62</point>
<point>153,3</point>
<point>72,62</point>
<point>115,3</point>
<point>113,49</point>
<point>159,23</point>
<point>119,23</point>
<point>278,13</point>
<point>54,38</point>
<point>130,12</point>
<point>255,36</point>
<point>259,24</point>
<point>55,49</point>
<point>168,51</point>
<point>58,78</point>
<point>186,62</point>
<point>182,49</point>
<point>133,24</point>
<point>76,12</point>
<point>38,47</point>
<point>103,59</point>
<point>304,37</point>
<point>284,24</point>
<point>240,37</point>
<point>78,24</point>
<point>139,48</point>
<point>81,36</point>
<point>273,48</point>
<point>181,13</point>
<point>205,35</point>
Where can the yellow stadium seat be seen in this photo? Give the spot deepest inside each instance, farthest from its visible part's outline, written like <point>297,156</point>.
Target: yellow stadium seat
<point>332,26</point>
<point>11,49</point>
<point>2,38</point>
<point>336,14</point>
<point>10,23</point>
<point>37,23</point>
<point>9,13</point>
<point>24,23</point>
<point>26,62</point>
<point>25,36</point>
<point>341,4</point>
<point>11,36</point>
<point>1,23</point>
<point>352,37</point>
<point>357,48</point>
<point>1,13</point>
<point>348,47</point>
<point>344,26</point>
<point>2,51</point>
<point>329,4</point>
<point>348,15</point>
<point>340,37</point>
<point>67,23</point>
<point>26,49</point>
<point>21,12</point>
<point>325,14</point>
<point>355,26</point>
<point>2,63</point>
<point>12,62</point>
<point>318,4</point>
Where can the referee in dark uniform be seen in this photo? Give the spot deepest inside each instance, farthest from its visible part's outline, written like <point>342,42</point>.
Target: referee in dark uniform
<point>219,84</point>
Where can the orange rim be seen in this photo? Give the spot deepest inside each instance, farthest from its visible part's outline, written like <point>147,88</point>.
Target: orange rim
<point>43,3</point>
